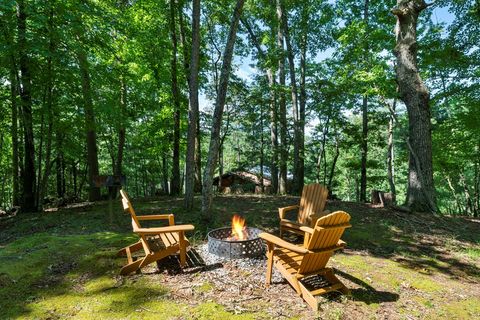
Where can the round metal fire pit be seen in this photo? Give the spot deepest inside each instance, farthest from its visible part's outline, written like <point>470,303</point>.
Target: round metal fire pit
<point>234,249</point>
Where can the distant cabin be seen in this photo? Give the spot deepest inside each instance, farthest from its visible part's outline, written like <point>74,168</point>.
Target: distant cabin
<point>242,182</point>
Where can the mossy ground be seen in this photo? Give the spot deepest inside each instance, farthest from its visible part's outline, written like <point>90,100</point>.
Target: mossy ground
<point>62,264</point>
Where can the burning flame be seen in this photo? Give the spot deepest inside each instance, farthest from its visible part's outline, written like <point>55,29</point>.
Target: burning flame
<point>239,231</point>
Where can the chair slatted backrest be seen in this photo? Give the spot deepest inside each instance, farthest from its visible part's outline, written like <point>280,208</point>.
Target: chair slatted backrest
<point>128,208</point>
<point>327,232</point>
<point>313,201</point>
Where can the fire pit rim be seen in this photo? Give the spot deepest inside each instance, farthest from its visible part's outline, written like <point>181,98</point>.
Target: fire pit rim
<point>258,231</point>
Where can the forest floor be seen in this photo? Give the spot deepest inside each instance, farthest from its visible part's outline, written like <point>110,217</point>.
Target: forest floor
<point>62,264</point>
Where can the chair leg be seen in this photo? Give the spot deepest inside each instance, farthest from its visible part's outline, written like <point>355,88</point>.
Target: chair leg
<point>268,276</point>
<point>183,249</point>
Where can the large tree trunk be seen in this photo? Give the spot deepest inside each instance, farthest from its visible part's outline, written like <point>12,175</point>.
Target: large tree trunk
<point>29,178</point>
<point>193,107</point>
<point>364,146</point>
<point>413,92</point>
<point>282,103</point>
<point>218,112</point>
<point>90,126</point>
<point>175,187</point>
<point>297,179</point>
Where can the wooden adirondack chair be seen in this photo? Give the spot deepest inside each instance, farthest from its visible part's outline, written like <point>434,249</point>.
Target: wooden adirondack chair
<point>156,243</point>
<point>302,265</point>
<point>312,207</point>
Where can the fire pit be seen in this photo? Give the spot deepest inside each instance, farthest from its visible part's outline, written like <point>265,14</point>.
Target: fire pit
<point>236,242</point>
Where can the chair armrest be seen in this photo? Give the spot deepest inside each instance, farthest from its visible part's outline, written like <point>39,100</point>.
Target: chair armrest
<point>340,245</point>
<point>177,228</point>
<point>282,211</point>
<point>282,243</point>
<point>306,229</point>
<point>155,217</point>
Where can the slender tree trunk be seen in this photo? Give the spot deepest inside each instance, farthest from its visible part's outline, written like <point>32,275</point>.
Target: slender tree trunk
<point>90,126</point>
<point>273,109</point>
<point>282,104</point>
<point>175,187</point>
<point>297,180</point>
<point>14,133</point>
<point>42,189</point>
<point>193,113</point>
<point>302,99</point>
<point>262,187</point>
<point>29,178</point>
<point>334,164</point>
<point>391,156</point>
<point>413,92</point>
<point>454,192</point>
<point>364,146</point>
<point>468,197</point>
<point>165,174</point>
<point>218,112</point>
<point>364,151</point>
<point>59,164</point>
<point>121,129</point>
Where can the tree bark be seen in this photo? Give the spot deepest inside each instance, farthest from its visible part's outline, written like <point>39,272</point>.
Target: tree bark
<point>302,99</point>
<point>364,146</point>
<point>175,187</point>
<point>14,134</point>
<point>391,156</point>
<point>193,113</point>
<point>282,103</point>
<point>218,112</point>
<point>121,129</point>
<point>297,175</point>
<point>413,92</point>
<point>29,177</point>
<point>90,125</point>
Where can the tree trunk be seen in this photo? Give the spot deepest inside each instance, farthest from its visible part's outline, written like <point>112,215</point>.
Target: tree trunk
<point>193,113</point>
<point>14,133</point>
<point>90,126</point>
<point>166,188</point>
<point>282,104</point>
<point>413,92</point>
<point>29,178</point>
<point>218,112</point>
<point>364,146</point>
<point>59,164</point>
<point>297,180</point>
<point>364,150</point>
<point>334,164</point>
<point>175,187</point>
<point>391,156</point>
<point>273,109</point>
<point>302,99</point>
<point>121,129</point>
<point>43,185</point>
